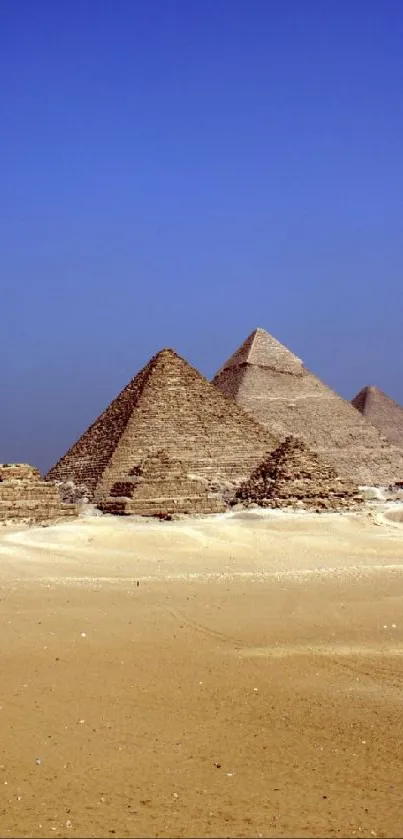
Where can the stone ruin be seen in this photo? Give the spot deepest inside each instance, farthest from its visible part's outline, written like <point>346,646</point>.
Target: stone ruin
<point>161,486</point>
<point>26,497</point>
<point>294,476</point>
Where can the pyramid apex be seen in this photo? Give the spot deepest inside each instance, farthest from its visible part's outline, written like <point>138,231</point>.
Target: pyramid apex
<point>263,350</point>
<point>164,355</point>
<point>166,351</point>
<point>364,394</point>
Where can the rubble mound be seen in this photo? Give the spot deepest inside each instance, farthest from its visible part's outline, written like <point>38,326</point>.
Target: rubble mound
<point>26,497</point>
<point>295,476</point>
<point>70,493</point>
<point>160,485</point>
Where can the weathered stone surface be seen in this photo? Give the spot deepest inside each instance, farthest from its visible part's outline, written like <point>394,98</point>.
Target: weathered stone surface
<point>168,406</point>
<point>382,411</point>
<point>273,385</point>
<point>24,496</point>
<point>294,476</point>
<point>159,485</point>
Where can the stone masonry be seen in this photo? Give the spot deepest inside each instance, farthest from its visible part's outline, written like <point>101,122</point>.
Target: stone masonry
<point>294,476</point>
<point>159,485</point>
<point>24,496</point>
<point>273,385</point>
<point>168,406</point>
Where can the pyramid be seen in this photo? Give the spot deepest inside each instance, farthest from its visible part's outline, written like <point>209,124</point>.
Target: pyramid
<point>171,412</point>
<point>274,386</point>
<point>294,476</point>
<point>382,411</point>
<point>159,485</point>
<point>25,496</point>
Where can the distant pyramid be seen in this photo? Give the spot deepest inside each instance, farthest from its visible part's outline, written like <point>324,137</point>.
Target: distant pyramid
<point>170,413</point>
<point>270,382</point>
<point>294,476</point>
<point>382,411</point>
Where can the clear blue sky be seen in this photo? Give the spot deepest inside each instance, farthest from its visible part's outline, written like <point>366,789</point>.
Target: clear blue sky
<point>177,173</point>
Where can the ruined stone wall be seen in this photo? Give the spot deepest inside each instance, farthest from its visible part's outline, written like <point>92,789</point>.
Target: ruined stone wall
<point>160,486</point>
<point>24,496</point>
<point>302,405</point>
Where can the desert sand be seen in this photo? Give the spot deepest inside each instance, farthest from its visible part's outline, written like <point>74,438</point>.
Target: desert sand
<point>236,676</point>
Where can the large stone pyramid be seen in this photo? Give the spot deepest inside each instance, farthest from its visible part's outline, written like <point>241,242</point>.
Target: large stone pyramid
<point>294,476</point>
<point>270,382</point>
<point>382,411</point>
<point>169,408</point>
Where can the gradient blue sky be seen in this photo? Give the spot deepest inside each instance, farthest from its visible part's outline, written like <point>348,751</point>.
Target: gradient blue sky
<point>177,173</point>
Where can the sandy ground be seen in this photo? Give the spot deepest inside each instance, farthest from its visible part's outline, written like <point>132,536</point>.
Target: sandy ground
<point>232,677</point>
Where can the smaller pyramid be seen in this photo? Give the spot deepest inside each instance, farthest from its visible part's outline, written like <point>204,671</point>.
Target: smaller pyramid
<point>295,476</point>
<point>159,485</point>
<point>382,411</point>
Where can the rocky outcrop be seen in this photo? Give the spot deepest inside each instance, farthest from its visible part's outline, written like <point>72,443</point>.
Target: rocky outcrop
<point>294,476</point>
<point>25,496</point>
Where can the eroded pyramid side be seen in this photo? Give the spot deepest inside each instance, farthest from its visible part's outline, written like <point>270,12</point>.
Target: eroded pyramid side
<point>87,459</point>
